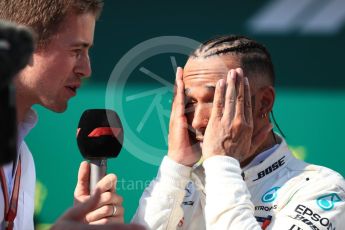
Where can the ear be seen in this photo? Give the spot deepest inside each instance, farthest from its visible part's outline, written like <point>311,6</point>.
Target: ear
<point>265,100</point>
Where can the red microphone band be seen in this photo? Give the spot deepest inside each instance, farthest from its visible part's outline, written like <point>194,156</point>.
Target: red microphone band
<point>105,131</point>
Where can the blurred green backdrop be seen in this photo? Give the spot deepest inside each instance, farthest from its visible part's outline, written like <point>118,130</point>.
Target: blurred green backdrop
<point>307,51</point>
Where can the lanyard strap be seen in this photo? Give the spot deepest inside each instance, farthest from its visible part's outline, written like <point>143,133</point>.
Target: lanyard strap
<point>266,222</point>
<point>11,208</point>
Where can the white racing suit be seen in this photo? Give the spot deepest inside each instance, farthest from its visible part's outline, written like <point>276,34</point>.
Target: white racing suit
<point>281,192</point>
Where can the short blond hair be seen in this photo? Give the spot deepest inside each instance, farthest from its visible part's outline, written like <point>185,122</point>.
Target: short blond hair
<point>44,17</point>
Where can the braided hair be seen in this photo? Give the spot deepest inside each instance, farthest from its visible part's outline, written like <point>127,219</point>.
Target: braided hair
<point>254,58</point>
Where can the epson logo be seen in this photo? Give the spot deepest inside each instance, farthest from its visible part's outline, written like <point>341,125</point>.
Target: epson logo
<point>271,168</point>
<point>305,211</point>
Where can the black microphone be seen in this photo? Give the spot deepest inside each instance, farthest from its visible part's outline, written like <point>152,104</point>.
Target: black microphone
<point>16,47</point>
<point>99,137</point>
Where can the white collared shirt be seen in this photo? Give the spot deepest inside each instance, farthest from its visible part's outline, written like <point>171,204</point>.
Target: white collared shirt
<point>25,211</point>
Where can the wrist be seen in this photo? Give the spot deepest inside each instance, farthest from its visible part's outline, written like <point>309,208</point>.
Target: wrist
<point>183,159</point>
<point>208,153</point>
<point>173,173</point>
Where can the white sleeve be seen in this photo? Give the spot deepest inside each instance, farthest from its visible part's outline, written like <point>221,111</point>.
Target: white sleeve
<point>160,204</point>
<point>228,204</point>
<point>319,205</point>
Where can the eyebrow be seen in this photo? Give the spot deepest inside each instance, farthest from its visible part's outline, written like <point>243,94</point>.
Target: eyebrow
<point>210,88</point>
<point>82,44</point>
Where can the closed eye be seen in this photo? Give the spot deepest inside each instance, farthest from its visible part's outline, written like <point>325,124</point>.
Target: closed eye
<point>190,105</point>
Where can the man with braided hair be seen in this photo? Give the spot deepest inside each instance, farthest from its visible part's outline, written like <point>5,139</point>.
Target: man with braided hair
<point>225,167</point>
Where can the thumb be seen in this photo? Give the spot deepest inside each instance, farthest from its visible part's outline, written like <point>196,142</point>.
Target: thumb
<point>82,188</point>
<point>79,211</point>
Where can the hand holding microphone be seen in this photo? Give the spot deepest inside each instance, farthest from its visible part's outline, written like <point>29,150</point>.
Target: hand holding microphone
<point>99,137</point>
<point>72,219</point>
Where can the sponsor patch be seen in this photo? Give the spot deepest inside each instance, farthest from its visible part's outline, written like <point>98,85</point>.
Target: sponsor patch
<point>327,202</point>
<point>312,218</point>
<point>270,195</point>
<point>265,208</point>
<point>271,168</point>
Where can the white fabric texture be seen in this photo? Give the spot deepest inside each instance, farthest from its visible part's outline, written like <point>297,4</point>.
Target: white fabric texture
<point>25,211</point>
<point>293,194</point>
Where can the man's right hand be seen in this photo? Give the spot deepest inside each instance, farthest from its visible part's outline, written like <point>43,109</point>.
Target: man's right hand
<point>181,149</point>
<point>110,201</point>
<point>74,218</point>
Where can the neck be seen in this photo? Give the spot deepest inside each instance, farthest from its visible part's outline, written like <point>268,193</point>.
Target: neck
<point>270,141</point>
<point>23,106</point>
<point>24,99</point>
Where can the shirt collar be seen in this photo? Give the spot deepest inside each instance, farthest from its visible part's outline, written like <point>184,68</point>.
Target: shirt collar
<point>270,166</point>
<point>29,122</point>
<point>261,157</point>
<point>24,128</point>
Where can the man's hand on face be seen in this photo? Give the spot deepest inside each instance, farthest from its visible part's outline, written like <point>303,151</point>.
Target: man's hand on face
<point>230,128</point>
<point>109,207</point>
<point>74,218</point>
<point>181,149</point>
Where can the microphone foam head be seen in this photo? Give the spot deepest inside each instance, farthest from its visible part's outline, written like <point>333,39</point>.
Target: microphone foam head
<point>99,134</point>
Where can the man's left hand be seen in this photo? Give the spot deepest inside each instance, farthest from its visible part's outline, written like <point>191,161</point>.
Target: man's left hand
<point>230,128</point>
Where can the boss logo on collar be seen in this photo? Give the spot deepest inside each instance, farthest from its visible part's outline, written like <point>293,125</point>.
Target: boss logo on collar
<point>271,168</point>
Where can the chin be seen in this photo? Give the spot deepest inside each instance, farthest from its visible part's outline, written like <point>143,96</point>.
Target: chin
<point>57,108</point>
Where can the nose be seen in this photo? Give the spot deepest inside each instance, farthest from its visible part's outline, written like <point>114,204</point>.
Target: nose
<point>201,116</point>
<point>83,66</point>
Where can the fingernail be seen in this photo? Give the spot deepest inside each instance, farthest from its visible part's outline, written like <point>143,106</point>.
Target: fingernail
<point>233,74</point>
<point>229,76</point>
<point>221,82</point>
<point>240,71</point>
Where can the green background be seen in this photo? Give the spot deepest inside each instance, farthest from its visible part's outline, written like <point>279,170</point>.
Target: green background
<point>310,104</point>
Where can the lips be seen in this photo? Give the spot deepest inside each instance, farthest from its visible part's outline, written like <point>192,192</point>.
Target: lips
<point>72,88</point>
